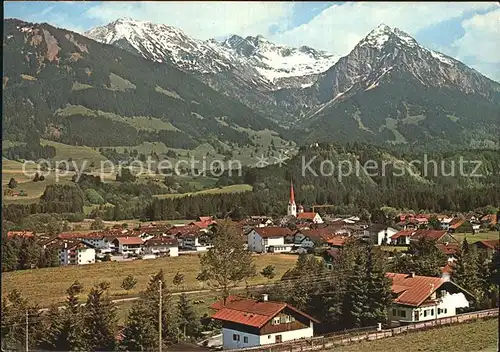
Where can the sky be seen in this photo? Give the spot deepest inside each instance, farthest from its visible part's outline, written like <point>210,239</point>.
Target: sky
<point>467,31</point>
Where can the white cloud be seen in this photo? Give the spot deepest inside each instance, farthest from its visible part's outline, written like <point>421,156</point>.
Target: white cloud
<point>338,28</point>
<point>481,41</point>
<point>202,20</point>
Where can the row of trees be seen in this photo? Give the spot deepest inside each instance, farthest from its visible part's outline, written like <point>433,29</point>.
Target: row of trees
<point>19,253</point>
<point>93,326</point>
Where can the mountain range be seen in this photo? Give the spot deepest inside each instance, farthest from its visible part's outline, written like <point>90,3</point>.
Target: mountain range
<point>388,90</point>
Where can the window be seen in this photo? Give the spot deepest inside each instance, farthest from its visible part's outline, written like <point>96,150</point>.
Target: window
<point>439,311</point>
<point>432,311</point>
<point>445,310</point>
<point>245,339</point>
<point>283,320</point>
<point>268,336</point>
<point>287,319</point>
<point>394,312</point>
<point>236,337</point>
<point>425,313</point>
<point>292,319</point>
<point>276,321</point>
<point>403,313</point>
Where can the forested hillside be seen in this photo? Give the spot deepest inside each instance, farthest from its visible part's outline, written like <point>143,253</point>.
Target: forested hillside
<point>67,88</point>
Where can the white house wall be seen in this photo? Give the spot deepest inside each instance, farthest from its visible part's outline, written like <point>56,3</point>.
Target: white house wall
<point>86,256</point>
<point>287,335</point>
<point>229,343</point>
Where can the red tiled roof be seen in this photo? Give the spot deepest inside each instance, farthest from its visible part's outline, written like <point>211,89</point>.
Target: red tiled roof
<point>130,240</point>
<point>403,233</point>
<point>306,215</point>
<point>449,248</point>
<point>273,231</point>
<point>491,218</point>
<point>413,290</point>
<point>429,234</point>
<point>490,243</point>
<point>447,269</point>
<point>251,312</point>
<point>455,224</point>
<point>161,240</point>
<point>205,218</point>
<point>24,234</point>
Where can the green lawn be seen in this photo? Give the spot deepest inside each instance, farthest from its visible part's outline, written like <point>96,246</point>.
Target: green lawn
<point>481,335</point>
<point>490,235</point>
<point>226,189</point>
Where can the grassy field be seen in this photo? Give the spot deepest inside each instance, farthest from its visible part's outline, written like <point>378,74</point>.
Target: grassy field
<point>476,336</point>
<point>490,235</point>
<point>25,182</point>
<point>48,285</point>
<point>226,189</point>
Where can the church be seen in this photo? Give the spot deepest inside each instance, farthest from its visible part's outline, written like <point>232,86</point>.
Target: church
<point>299,213</point>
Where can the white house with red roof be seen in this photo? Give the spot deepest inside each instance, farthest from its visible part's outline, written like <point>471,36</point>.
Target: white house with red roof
<point>309,216</point>
<point>269,239</point>
<point>420,298</point>
<point>71,252</point>
<point>128,245</point>
<point>249,323</point>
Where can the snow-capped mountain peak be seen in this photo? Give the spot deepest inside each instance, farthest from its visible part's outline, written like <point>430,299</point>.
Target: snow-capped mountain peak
<point>253,56</point>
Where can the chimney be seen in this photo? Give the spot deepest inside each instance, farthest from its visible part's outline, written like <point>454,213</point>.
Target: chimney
<point>412,274</point>
<point>265,297</point>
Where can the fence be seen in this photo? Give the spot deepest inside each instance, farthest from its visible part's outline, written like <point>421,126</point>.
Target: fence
<point>371,333</point>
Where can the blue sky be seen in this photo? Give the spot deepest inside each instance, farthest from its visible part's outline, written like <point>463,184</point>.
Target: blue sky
<point>466,31</point>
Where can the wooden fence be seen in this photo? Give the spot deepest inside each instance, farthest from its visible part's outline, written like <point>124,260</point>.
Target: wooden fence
<point>322,343</point>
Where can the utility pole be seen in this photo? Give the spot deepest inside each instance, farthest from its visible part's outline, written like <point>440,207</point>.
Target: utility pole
<point>159,320</point>
<point>26,332</point>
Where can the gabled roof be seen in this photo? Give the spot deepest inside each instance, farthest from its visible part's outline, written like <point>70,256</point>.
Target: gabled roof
<point>272,231</point>
<point>492,244</point>
<point>251,312</point>
<point>403,233</point>
<point>307,215</point>
<point>413,290</point>
<point>130,240</point>
<point>24,234</point>
<point>448,248</point>
<point>456,223</point>
<point>429,234</point>
<point>160,241</point>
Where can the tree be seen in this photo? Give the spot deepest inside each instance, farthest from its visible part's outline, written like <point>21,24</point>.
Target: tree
<point>99,319</point>
<point>268,272</point>
<point>189,322</point>
<point>139,333</point>
<point>97,224</point>
<point>12,183</point>
<point>178,279</point>
<point>93,197</point>
<point>129,283</point>
<point>226,264</point>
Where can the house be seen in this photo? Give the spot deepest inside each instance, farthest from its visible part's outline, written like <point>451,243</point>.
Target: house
<point>203,222</point>
<point>128,245</point>
<point>310,217</point>
<point>162,245</point>
<point>322,237</point>
<point>379,234</point>
<point>250,323</point>
<point>330,256</point>
<point>261,239</point>
<point>455,224</point>
<point>421,298</point>
<point>439,236</point>
<point>195,241</point>
<point>402,238</point>
<point>72,252</point>
<point>449,250</point>
<point>488,246</point>
<point>489,220</point>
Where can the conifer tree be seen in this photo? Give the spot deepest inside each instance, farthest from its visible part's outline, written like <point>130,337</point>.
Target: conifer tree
<point>139,333</point>
<point>189,322</point>
<point>99,320</point>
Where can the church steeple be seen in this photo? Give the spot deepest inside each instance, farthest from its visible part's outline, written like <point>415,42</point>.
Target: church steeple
<point>292,208</point>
